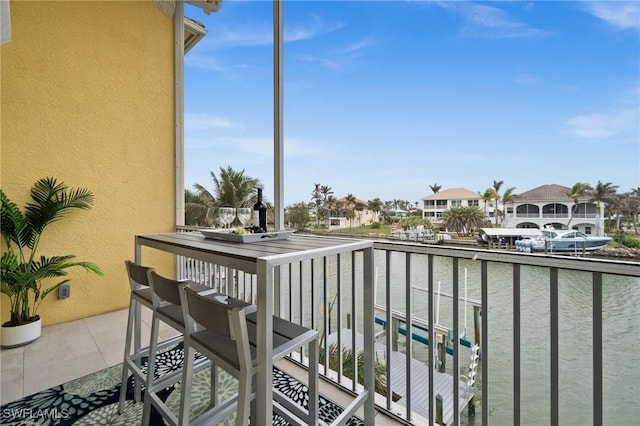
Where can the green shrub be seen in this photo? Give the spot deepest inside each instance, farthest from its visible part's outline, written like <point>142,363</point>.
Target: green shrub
<point>375,225</point>
<point>631,242</point>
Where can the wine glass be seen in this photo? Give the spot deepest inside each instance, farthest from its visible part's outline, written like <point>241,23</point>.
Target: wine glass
<point>244,215</point>
<point>226,215</point>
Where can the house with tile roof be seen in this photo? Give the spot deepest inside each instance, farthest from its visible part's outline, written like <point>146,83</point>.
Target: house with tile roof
<point>435,204</point>
<point>337,218</point>
<point>550,205</point>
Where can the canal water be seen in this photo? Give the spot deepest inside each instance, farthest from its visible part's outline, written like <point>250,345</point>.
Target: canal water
<point>621,333</point>
<point>621,337</point>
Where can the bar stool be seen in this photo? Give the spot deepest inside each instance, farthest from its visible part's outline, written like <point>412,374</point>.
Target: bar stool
<point>166,308</point>
<point>140,296</point>
<point>224,331</point>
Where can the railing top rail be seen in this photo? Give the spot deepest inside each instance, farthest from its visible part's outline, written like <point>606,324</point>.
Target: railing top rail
<point>605,266</point>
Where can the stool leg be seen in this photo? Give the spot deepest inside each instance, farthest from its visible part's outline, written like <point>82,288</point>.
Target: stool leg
<point>214,385</point>
<point>127,352</point>
<point>187,373</point>
<point>137,346</point>
<point>151,367</point>
<point>244,398</point>
<point>313,382</point>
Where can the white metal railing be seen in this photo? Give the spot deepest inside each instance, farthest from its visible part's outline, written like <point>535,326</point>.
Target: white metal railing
<point>325,294</point>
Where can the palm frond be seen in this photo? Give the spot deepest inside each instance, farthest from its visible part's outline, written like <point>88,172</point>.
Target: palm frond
<point>22,274</point>
<point>13,223</point>
<point>53,201</point>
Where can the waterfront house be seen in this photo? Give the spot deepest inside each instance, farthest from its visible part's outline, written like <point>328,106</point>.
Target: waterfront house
<point>435,204</point>
<point>551,205</point>
<point>362,215</point>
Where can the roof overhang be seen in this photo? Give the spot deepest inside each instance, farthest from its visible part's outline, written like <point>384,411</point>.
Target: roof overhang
<point>209,6</point>
<point>194,31</point>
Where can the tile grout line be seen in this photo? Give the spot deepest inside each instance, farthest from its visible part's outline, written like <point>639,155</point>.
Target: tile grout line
<point>84,321</point>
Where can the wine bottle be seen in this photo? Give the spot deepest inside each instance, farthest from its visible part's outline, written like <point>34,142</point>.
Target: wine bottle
<point>260,214</point>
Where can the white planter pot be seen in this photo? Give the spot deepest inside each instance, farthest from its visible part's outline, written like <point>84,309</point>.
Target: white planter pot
<point>13,337</point>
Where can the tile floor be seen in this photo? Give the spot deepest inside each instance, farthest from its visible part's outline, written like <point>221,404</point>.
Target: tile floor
<point>74,349</point>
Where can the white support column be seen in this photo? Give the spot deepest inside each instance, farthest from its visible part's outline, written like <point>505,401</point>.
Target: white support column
<point>278,134</point>
<point>178,39</point>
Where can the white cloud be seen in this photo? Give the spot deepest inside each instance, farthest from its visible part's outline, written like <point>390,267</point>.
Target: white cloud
<point>490,21</point>
<point>526,79</point>
<point>325,62</point>
<point>261,33</point>
<point>620,14</point>
<point>204,121</point>
<point>202,61</point>
<point>357,46</point>
<point>621,124</point>
<point>315,28</point>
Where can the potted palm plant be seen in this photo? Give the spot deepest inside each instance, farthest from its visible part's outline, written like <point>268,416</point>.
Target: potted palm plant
<point>23,270</point>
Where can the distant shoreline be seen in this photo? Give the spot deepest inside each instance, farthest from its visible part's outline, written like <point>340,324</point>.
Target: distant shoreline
<point>619,253</point>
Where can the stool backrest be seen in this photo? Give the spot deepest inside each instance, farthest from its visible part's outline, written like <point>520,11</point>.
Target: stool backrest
<point>211,314</point>
<point>218,315</point>
<point>138,274</point>
<point>164,289</point>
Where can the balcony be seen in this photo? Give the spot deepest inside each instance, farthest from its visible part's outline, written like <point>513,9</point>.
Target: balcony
<point>537,319</point>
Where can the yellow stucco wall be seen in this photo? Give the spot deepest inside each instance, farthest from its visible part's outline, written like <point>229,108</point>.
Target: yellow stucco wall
<point>87,96</point>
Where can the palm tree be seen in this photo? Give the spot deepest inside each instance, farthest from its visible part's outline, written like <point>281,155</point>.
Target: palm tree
<point>195,213</point>
<point>234,189</point>
<point>316,198</point>
<point>488,195</point>
<point>453,219</point>
<point>577,191</point>
<point>635,197</point>
<point>505,199</point>
<point>359,208</point>
<point>602,192</point>
<point>350,204</point>
<point>435,188</point>
<point>497,184</point>
<point>375,205</point>
<point>629,205</point>
<point>325,191</point>
<point>350,214</point>
<point>474,218</point>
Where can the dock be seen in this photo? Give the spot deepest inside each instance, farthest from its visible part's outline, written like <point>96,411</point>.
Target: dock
<point>397,382</point>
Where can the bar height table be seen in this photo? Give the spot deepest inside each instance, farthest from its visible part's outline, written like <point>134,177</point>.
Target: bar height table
<point>262,258</point>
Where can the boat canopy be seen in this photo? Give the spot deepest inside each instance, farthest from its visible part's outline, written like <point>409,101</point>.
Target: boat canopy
<point>512,232</point>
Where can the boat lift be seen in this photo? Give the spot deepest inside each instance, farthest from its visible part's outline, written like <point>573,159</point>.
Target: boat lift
<point>399,320</point>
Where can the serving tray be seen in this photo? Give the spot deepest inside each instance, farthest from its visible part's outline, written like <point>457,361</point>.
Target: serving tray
<point>228,235</point>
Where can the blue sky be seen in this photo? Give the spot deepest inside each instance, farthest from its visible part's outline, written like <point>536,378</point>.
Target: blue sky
<point>383,99</point>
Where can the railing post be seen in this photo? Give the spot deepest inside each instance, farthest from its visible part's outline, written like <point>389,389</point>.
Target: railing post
<point>442,354</point>
<point>439,405</point>
<point>476,324</point>
<point>395,325</point>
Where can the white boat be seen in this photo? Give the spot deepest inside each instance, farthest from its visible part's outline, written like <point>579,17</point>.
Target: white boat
<point>568,240</point>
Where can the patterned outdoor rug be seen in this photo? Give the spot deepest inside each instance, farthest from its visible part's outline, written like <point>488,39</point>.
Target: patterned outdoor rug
<point>93,399</point>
